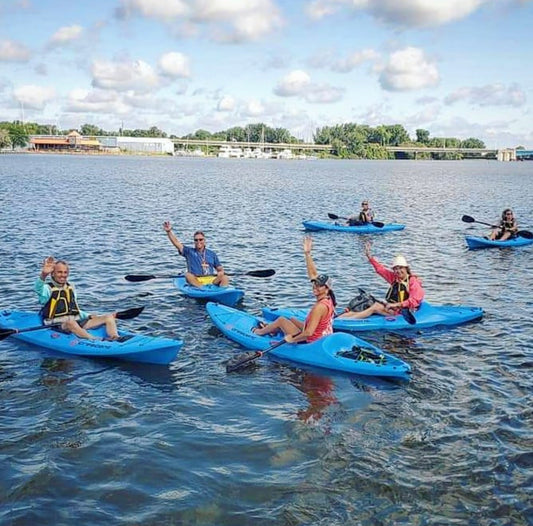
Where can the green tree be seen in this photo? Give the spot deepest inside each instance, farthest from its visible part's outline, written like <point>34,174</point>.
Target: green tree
<point>422,136</point>
<point>17,134</point>
<point>398,135</point>
<point>90,129</point>
<point>5,139</point>
<point>472,143</point>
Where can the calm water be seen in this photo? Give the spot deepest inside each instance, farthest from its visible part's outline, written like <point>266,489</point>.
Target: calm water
<point>96,442</point>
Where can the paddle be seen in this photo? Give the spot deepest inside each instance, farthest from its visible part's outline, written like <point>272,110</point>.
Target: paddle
<point>521,233</point>
<point>265,273</point>
<point>377,224</point>
<point>406,313</point>
<point>121,315</point>
<point>245,358</point>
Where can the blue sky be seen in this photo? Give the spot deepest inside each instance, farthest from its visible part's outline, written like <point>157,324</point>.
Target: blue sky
<point>458,68</point>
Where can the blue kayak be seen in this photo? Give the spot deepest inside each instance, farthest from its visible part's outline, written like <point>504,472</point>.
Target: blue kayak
<point>130,347</point>
<point>482,242</point>
<point>361,229</point>
<point>339,351</point>
<point>226,295</point>
<point>426,316</point>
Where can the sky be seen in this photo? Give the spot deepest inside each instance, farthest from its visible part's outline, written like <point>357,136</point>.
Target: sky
<point>457,68</point>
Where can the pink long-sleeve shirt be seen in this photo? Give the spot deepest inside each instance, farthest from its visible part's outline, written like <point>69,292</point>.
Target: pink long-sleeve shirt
<point>416,292</point>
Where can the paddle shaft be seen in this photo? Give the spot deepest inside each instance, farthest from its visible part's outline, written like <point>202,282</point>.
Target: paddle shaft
<point>121,315</point>
<point>263,273</point>
<point>230,367</point>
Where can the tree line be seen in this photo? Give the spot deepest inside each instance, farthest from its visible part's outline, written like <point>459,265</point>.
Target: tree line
<point>348,140</point>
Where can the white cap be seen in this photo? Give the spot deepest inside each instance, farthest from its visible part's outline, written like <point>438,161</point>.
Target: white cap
<point>399,261</point>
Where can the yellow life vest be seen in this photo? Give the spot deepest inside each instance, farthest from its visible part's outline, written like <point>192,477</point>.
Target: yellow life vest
<point>62,302</point>
<point>398,291</point>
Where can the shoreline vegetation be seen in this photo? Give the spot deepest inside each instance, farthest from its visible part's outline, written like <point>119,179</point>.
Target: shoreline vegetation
<point>347,141</point>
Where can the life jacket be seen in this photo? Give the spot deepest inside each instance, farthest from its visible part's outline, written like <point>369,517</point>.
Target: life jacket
<point>398,291</point>
<point>325,325</point>
<point>504,225</point>
<point>62,302</point>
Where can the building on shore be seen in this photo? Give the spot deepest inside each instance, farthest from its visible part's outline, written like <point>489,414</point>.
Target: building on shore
<point>77,143</point>
<point>138,144</point>
<point>71,142</point>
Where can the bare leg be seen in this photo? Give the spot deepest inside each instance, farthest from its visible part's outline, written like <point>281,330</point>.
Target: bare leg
<point>281,323</point>
<point>375,308</point>
<point>106,319</point>
<point>221,281</point>
<point>193,280</point>
<point>73,327</point>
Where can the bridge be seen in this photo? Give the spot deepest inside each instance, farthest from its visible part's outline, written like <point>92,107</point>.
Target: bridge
<point>502,154</point>
<point>301,146</point>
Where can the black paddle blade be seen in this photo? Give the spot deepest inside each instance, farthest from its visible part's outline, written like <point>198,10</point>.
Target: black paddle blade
<point>378,224</point>
<point>265,273</point>
<point>409,316</point>
<point>242,360</point>
<point>333,216</point>
<point>4,333</point>
<point>129,314</point>
<point>468,219</point>
<point>139,277</point>
<point>525,234</point>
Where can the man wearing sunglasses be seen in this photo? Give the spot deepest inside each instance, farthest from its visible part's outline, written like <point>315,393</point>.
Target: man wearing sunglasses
<point>203,265</point>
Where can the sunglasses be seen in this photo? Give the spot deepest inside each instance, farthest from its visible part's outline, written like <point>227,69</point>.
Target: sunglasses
<point>196,239</point>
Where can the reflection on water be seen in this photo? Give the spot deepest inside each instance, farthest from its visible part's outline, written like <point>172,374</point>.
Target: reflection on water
<point>94,441</point>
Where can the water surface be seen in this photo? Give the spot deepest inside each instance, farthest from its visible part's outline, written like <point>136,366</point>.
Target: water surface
<point>99,442</point>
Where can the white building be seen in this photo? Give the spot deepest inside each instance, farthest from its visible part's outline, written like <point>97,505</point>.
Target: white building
<point>139,144</point>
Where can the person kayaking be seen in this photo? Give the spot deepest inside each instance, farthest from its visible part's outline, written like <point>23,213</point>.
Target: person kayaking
<point>405,291</point>
<point>203,265</point>
<point>319,321</point>
<point>365,216</point>
<point>507,228</point>
<point>59,304</point>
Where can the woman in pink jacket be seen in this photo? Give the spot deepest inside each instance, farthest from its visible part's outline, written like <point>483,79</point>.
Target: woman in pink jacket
<point>405,291</point>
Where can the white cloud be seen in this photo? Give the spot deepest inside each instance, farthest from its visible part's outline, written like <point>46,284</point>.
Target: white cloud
<point>224,20</point>
<point>294,84</point>
<point>123,76</point>
<point>254,108</point>
<point>405,13</point>
<point>174,64</point>
<point>11,51</point>
<point>148,8</point>
<point>66,34</point>
<point>226,103</point>
<point>353,60</point>
<point>94,101</point>
<point>324,94</point>
<point>408,69</point>
<point>489,95</point>
<point>34,97</point>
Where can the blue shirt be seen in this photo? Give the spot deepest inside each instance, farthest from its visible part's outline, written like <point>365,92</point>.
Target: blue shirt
<point>200,263</point>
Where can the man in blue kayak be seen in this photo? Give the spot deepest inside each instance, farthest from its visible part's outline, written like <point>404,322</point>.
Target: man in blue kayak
<point>203,265</point>
<point>366,215</point>
<point>58,299</point>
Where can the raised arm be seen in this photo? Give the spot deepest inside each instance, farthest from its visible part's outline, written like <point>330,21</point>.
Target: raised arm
<point>173,239</point>
<point>309,263</point>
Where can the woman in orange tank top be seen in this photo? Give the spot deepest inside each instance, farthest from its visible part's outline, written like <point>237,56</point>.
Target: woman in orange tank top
<point>319,321</point>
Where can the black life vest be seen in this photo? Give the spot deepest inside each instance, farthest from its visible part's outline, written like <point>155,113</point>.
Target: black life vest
<point>398,291</point>
<point>62,302</point>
